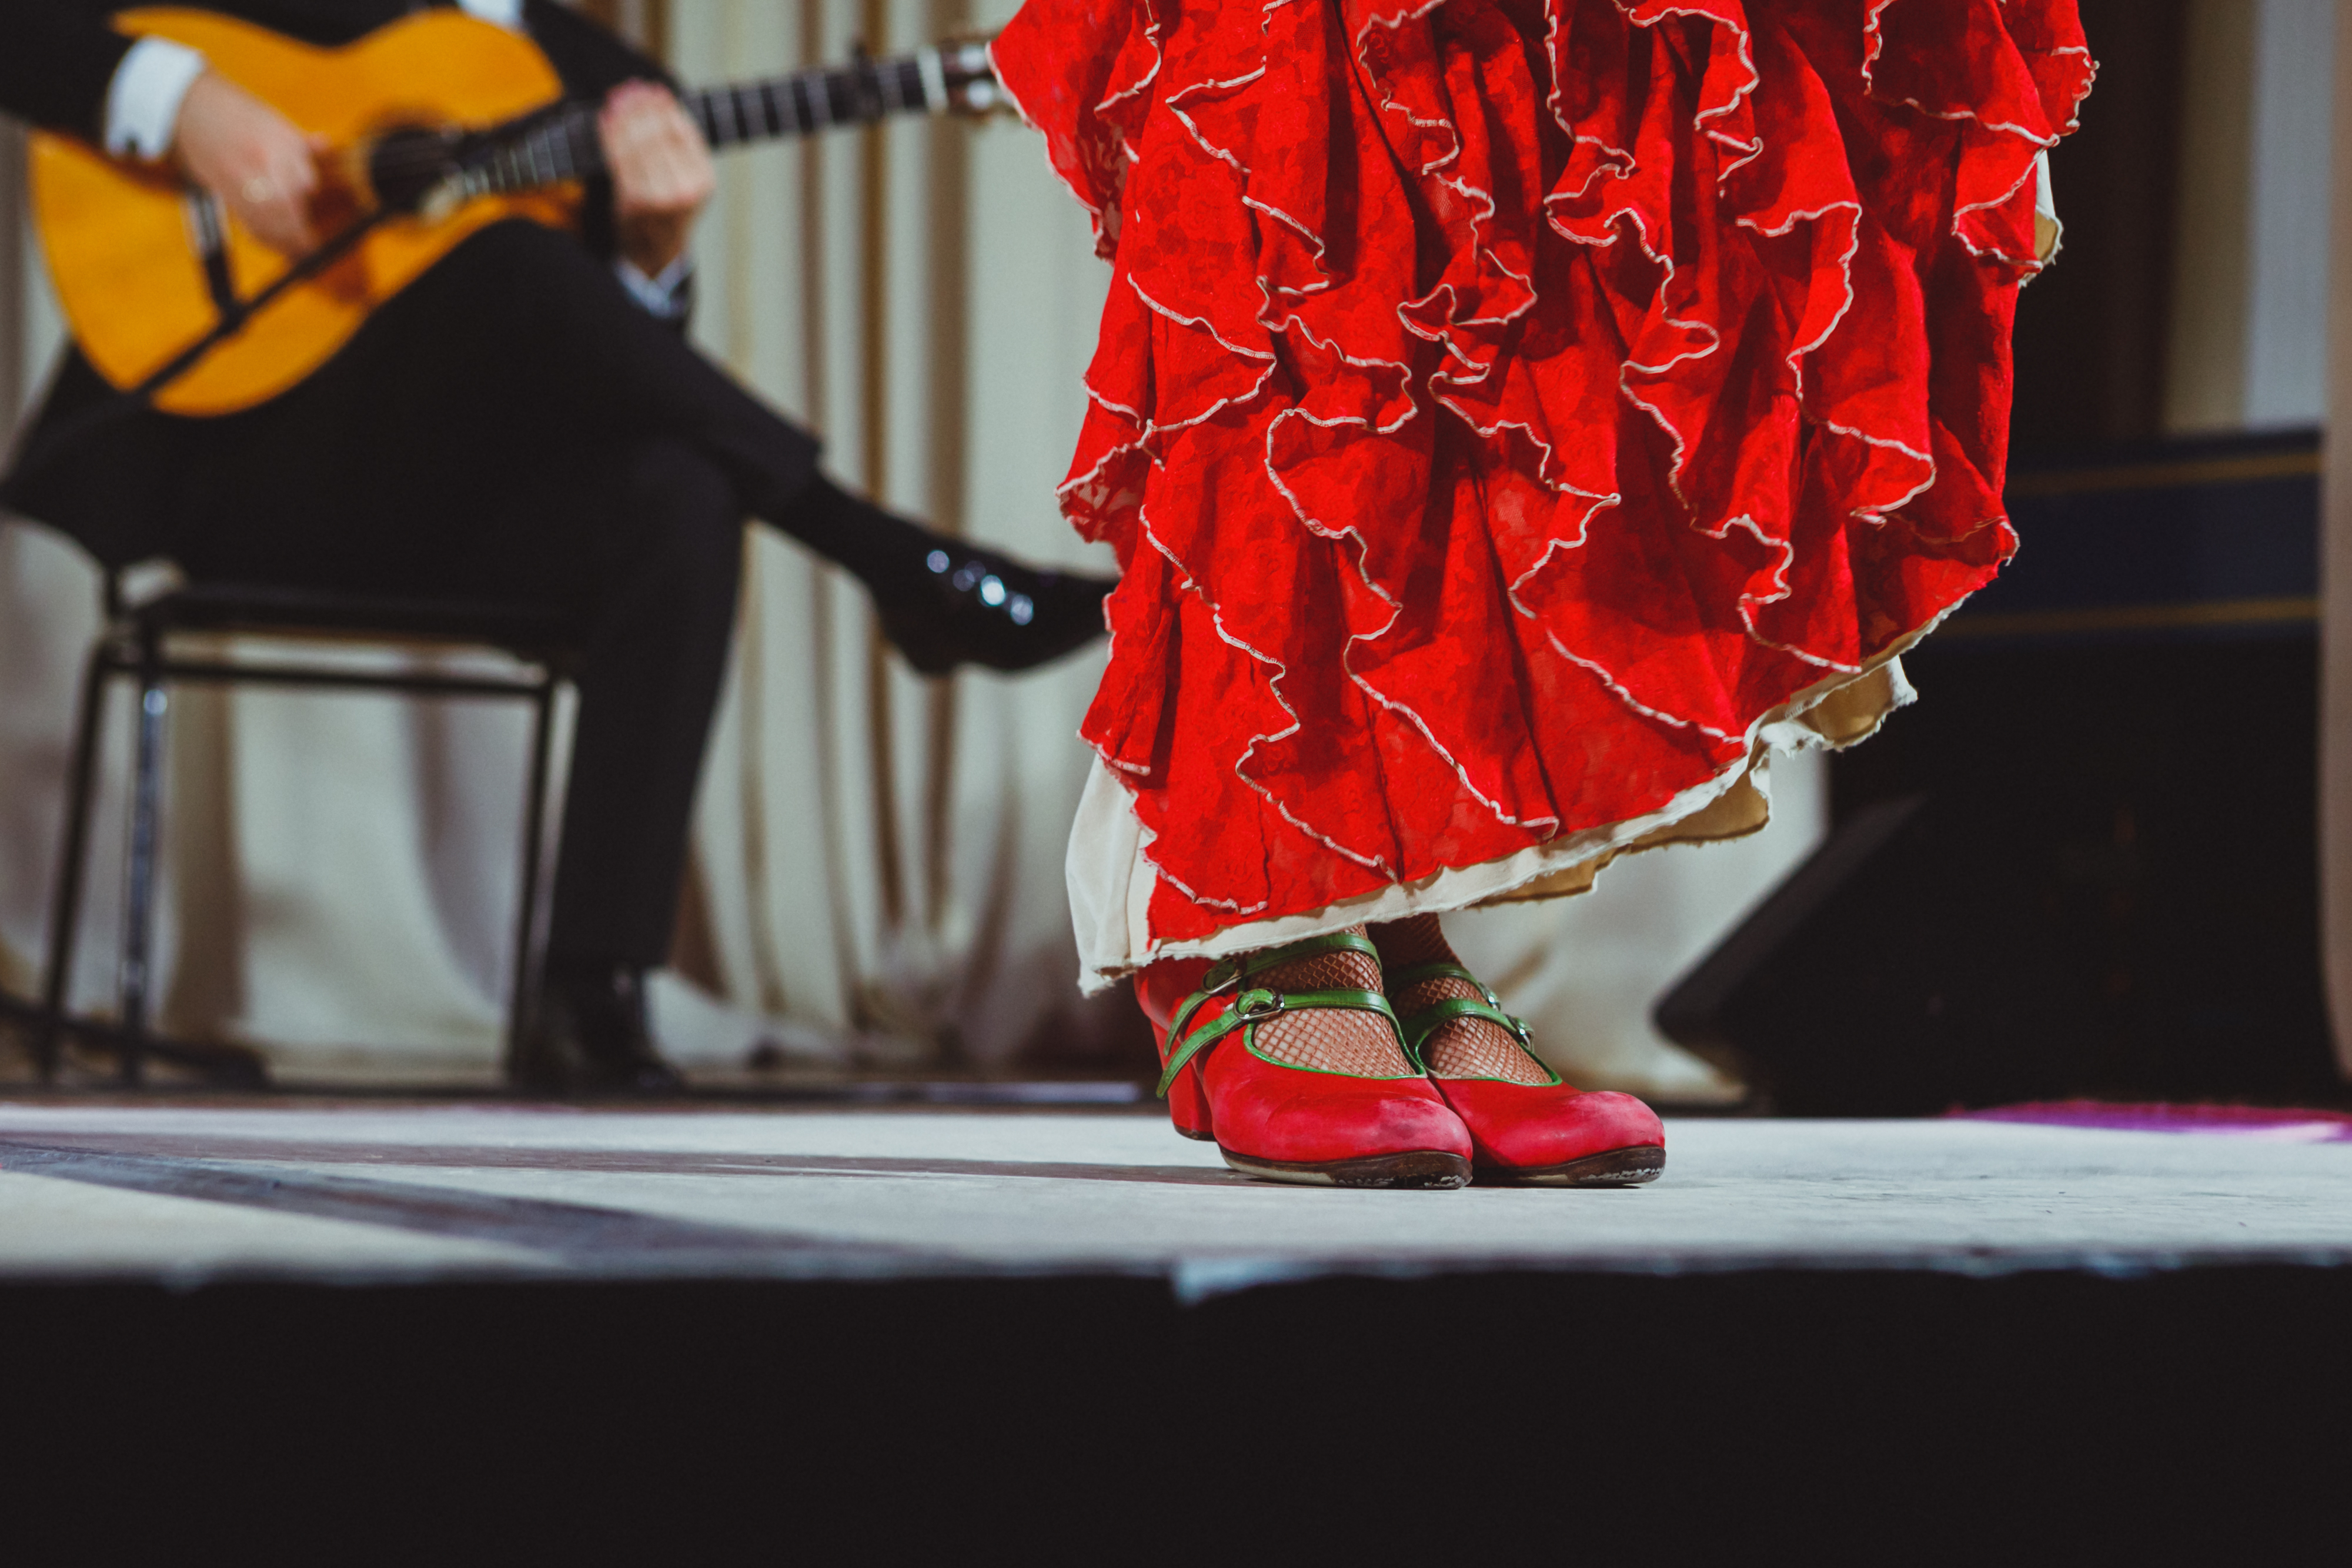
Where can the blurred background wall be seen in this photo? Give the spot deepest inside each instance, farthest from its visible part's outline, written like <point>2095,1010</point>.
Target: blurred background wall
<point>2193,292</point>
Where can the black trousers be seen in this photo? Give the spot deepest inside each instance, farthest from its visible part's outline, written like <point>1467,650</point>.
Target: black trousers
<point>513,427</point>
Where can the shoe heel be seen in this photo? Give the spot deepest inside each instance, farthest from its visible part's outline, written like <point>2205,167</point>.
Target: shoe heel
<point>1161,989</point>
<point>1187,1106</point>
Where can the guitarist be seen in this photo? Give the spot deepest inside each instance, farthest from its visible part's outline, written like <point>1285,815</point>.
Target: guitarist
<point>524,422</point>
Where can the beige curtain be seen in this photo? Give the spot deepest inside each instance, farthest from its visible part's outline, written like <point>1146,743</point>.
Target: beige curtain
<point>881,854</point>
<point>877,872</point>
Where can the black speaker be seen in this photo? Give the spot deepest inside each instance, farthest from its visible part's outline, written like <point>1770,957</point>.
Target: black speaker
<point>2086,863</point>
<point>1900,970</point>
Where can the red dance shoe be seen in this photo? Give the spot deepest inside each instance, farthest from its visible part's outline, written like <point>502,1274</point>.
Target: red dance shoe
<point>1551,1135</point>
<point>1284,1123</point>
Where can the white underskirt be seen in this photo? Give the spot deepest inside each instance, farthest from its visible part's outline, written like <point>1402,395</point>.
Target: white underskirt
<point>1111,877</point>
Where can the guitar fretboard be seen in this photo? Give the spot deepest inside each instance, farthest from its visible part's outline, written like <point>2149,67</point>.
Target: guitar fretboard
<point>561,143</point>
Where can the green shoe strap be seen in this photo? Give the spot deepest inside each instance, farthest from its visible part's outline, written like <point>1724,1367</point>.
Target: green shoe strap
<point>1443,969</point>
<point>1229,974</point>
<point>1258,1006</point>
<point>1418,1027</point>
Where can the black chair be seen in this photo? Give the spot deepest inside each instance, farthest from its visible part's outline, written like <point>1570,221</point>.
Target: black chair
<point>137,641</point>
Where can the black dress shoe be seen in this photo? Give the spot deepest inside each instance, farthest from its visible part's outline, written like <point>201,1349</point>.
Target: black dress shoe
<point>590,1035</point>
<point>969,605</point>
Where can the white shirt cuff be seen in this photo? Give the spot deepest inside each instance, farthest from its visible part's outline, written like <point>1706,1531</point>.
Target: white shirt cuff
<point>142,102</point>
<point>506,14</point>
<point>658,296</point>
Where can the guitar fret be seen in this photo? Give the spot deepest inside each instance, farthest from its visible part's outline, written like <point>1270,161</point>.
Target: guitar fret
<point>567,145</point>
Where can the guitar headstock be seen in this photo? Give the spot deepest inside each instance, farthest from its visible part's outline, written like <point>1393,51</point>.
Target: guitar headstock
<point>969,79</point>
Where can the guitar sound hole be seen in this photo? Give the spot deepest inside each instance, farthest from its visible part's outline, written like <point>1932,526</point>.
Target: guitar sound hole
<point>405,164</point>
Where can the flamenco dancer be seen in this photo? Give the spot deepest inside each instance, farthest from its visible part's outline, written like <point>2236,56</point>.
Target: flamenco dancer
<point>1514,420</point>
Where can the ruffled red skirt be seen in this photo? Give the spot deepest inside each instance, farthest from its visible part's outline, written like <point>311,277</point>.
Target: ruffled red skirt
<point>1507,410</point>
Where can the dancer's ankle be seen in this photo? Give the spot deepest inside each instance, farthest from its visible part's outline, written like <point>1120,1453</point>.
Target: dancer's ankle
<point>1463,1047</point>
<point>1355,1043</point>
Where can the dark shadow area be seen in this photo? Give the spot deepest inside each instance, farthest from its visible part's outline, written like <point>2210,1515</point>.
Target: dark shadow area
<point>2091,330</point>
<point>1553,1417</point>
<point>2086,863</point>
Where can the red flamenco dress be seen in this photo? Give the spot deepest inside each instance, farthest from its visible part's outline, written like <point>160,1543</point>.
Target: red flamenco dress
<point>1515,418</point>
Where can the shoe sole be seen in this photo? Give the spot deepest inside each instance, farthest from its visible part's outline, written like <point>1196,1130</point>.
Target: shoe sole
<point>1618,1167</point>
<point>1427,1169</point>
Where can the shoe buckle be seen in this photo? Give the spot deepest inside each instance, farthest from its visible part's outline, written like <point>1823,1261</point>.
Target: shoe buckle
<point>1260,1004</point>
<point>1231,983</point>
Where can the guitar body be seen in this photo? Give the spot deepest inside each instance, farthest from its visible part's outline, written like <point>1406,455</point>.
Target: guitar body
<point>119,239</point>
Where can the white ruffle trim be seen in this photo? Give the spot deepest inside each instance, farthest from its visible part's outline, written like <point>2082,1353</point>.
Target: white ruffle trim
<point>1112,878</point>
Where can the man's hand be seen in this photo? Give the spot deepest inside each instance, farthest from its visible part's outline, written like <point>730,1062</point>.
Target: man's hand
<point>662,176</point>
<point>259,165</point>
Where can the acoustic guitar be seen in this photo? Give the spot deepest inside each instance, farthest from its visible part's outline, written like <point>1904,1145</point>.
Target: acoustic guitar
<point>437,124</point>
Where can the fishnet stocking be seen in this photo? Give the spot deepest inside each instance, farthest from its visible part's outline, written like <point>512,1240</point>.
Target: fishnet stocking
<point>1330,1040</point>
<point>1462,1048</point>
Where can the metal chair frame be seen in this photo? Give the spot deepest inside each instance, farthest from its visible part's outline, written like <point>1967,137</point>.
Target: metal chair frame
<point>135,642</point>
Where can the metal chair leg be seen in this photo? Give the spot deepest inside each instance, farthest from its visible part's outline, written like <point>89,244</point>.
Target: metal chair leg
<point>138,915</point>
<point>534,833</point>
<point>73,857</point>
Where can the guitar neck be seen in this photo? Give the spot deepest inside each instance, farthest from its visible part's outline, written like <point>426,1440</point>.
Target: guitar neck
<point>561,143</point>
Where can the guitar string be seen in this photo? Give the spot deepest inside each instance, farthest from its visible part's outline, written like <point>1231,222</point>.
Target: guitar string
<point>534,153</point>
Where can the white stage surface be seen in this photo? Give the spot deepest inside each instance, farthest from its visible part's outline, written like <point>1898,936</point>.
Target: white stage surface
<point>184,1195</point>
<point>475,1332</point>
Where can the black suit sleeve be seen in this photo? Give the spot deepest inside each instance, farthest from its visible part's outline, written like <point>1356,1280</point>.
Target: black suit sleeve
<point>591,59</point>
<point>56,58</point>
